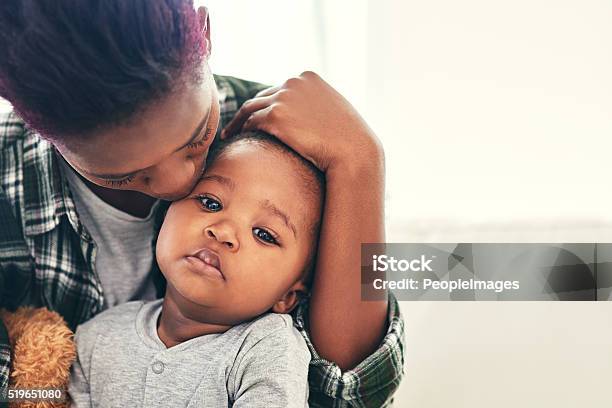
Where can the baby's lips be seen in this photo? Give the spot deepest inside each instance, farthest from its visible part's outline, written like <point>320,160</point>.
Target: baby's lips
<point>208,257</point>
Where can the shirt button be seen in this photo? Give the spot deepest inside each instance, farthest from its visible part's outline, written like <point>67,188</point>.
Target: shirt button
<point>157,367</point>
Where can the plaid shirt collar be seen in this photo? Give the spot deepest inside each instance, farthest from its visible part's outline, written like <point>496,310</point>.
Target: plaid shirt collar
<point>46,199</point>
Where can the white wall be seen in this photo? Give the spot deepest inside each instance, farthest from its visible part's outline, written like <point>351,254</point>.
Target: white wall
<point>488,110</point>
<point>493,109</point>
<point>4,105</point>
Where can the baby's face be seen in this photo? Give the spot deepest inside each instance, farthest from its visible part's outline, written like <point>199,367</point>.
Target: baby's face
<point>241,239</point>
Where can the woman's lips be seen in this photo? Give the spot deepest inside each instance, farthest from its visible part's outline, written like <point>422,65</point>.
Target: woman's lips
<point>206,262</point>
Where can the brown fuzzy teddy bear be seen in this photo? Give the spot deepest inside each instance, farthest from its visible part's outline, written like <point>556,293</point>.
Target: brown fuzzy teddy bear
<point>42,351</point>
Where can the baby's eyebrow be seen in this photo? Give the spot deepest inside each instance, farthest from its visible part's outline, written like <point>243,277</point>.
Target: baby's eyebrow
<point>229,183</point>
<point>274,210</point>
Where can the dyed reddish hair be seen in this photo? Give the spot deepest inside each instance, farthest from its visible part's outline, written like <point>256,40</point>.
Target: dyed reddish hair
<point>70,67</point>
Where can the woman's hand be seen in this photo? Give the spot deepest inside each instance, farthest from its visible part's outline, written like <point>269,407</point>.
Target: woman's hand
<point>311,117</point>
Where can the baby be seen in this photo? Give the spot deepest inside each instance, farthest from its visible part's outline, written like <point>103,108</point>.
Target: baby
<point>237,255</point>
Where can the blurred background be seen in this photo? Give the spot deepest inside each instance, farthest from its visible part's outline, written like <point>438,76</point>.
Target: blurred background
<point>489,111</point>
<point>496,119</point>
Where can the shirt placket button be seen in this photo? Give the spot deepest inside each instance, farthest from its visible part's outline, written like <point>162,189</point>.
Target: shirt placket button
<point>157,367</point>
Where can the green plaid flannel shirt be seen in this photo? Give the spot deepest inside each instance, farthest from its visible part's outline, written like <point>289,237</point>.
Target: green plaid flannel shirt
<point>47,259</point>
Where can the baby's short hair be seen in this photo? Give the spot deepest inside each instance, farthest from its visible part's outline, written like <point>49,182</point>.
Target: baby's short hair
<point>313,180</point>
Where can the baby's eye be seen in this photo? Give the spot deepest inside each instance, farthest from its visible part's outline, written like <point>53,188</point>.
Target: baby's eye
<point>209,203</point>
<point>265,236</point>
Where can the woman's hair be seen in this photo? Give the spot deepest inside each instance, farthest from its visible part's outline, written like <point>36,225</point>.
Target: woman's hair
<point>70,67</point>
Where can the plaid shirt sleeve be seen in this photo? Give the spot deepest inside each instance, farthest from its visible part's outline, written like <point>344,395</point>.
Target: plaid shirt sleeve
<point>5,361</point>
<point>371,383</point>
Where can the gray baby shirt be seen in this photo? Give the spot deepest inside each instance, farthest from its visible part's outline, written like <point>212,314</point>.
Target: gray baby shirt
<point>122,362</point>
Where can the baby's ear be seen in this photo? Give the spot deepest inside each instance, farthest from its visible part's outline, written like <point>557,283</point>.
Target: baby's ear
<point>291,298</point>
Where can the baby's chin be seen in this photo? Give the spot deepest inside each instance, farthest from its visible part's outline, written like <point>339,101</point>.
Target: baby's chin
<point>216,309</point>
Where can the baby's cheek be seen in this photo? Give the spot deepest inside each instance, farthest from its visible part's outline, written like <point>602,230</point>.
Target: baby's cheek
<point>165,242</point>
<point>162,259</point>
<point>255,282</point>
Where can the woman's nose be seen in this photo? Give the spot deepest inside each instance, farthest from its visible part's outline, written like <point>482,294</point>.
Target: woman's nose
<point>172,179</point>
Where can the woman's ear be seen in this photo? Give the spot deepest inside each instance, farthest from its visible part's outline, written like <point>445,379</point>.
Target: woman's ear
<point>205,24</point>
<point>291,298</point>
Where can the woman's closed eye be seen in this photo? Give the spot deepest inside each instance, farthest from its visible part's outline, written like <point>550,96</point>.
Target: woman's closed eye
<point>120,182</point>
<point>197,143</point>
<point>202,141</point>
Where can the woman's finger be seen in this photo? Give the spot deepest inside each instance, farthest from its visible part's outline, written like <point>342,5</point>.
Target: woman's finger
<point>269,122</point>
<point>259,121</point>
<point>246,110</point>
<point>267,91</point>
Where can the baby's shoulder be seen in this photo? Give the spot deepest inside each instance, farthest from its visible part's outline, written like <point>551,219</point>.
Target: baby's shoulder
<point>111,319</point>
<point>268,324</point>
<point>272,330</point>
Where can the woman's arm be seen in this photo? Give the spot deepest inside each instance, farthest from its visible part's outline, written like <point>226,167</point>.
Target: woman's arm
<point>316,121</point>
<point>344,328</point>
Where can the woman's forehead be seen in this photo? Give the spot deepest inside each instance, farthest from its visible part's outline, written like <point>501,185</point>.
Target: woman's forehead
<point>153,135</point>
